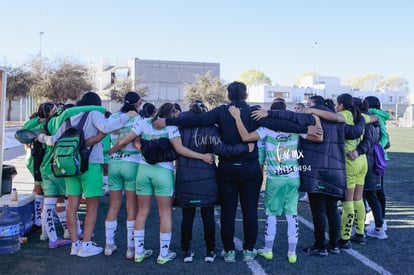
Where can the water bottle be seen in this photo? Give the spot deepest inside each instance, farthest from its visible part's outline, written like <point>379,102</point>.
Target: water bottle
<point>9,230</point>
<point>13,195</point>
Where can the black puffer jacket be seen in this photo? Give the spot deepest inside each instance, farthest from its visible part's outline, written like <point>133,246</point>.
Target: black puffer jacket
<point>221,117</point>
<point>325,162</point>
<point>322,169</point>
<point>371,136</point>
<point>196,182</point>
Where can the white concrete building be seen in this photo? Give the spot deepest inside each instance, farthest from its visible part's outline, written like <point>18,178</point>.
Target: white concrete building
<point>328,87</point>
<point>165,79</point>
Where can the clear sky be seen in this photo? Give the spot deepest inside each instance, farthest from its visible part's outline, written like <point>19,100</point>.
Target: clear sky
<point>274,36</point>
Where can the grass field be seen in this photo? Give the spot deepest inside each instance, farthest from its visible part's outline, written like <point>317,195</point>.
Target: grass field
<point>401,139</point>
<point>391,256</point>
<point>394,255</point>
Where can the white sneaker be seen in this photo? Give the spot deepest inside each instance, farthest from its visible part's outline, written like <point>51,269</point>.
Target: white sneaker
<point>370,226</point>
<point>88,249</point>
<point>188,256</point>
<point>66,234</point>
<point>384,225</point>
<point>43,236</point>
<point>74,250</point>
<point>109,249</point>
<point>381,235</point>
<point>130,253</point>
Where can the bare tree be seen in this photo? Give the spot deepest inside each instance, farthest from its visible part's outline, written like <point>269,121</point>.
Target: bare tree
<point>394,83</point>
<point>211,90</point>
<point>19,82</point>
<point>122,86</point>
<point>370,82</point>
<point>254,77</point>
<point>66,80</point>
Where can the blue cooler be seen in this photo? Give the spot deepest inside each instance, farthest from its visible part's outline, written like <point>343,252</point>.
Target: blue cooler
<point>24,206</point>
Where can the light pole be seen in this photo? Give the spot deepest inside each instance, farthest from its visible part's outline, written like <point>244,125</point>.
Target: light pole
<point>40,43</point>
<point>316,47</point>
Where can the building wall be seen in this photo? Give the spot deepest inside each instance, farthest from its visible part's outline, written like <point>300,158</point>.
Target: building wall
<point>166,79</point>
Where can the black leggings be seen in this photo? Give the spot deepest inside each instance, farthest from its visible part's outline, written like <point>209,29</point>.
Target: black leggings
<point>207,214</point>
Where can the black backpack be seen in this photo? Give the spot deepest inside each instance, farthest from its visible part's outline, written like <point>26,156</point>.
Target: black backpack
<point>70,154</point>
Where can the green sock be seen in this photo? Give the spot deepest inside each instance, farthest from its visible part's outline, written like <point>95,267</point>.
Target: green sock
<point>359,209</point>
<point>347,219</point>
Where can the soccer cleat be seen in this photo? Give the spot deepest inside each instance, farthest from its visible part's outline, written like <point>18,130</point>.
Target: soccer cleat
<point>210,256</point>
<point>75,248</point>
<point>109,249</point>
<point>138,258</point>
<point>344,244</point>
<point>130,253</point>
<point>249,255</point>
<point>292,257</point>
<point>165,259</point>
<point>188,256</point>
<point>380,234</point>
<point>229,257</point>
<point>334,250</point>
<point>313,251</point>
<point>358,238</point>
<point>58,243</point>
<point>265,253</point>
<point>88,249</point>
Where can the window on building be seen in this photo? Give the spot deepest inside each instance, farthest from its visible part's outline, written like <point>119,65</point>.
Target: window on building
<point>307,96</point>
<point>121,73</point>
<point>274,94</point>
<point>390,98</point>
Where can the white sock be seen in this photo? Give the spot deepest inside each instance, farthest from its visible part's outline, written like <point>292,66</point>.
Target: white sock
<point>110,228</point>
<point>165,239</point>
<point>139,236</point>
<point>130,233</point>
<point>270,233</point>
<point>38,204</point>
<point>106,186</point>
<point>47,218</point>
<point>79,225</point>
<point>292,232</point>
<point>62,216</point>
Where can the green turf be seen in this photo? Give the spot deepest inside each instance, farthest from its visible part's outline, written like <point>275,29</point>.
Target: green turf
<point>401,139</point>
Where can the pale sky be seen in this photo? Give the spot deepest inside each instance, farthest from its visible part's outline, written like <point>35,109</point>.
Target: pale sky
<point>277,37</point>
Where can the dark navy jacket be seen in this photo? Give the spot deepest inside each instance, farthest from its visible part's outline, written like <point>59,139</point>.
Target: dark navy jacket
<point>221,117</point>
<point>196,182</point>
<point>372,135</point>
<point>323,164</point>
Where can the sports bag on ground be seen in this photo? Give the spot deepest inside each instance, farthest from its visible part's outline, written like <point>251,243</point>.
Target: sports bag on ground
<point>70,154</point>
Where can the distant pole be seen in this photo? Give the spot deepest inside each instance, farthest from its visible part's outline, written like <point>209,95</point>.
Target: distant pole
<point>316,45</point>
<point>40,43</point>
